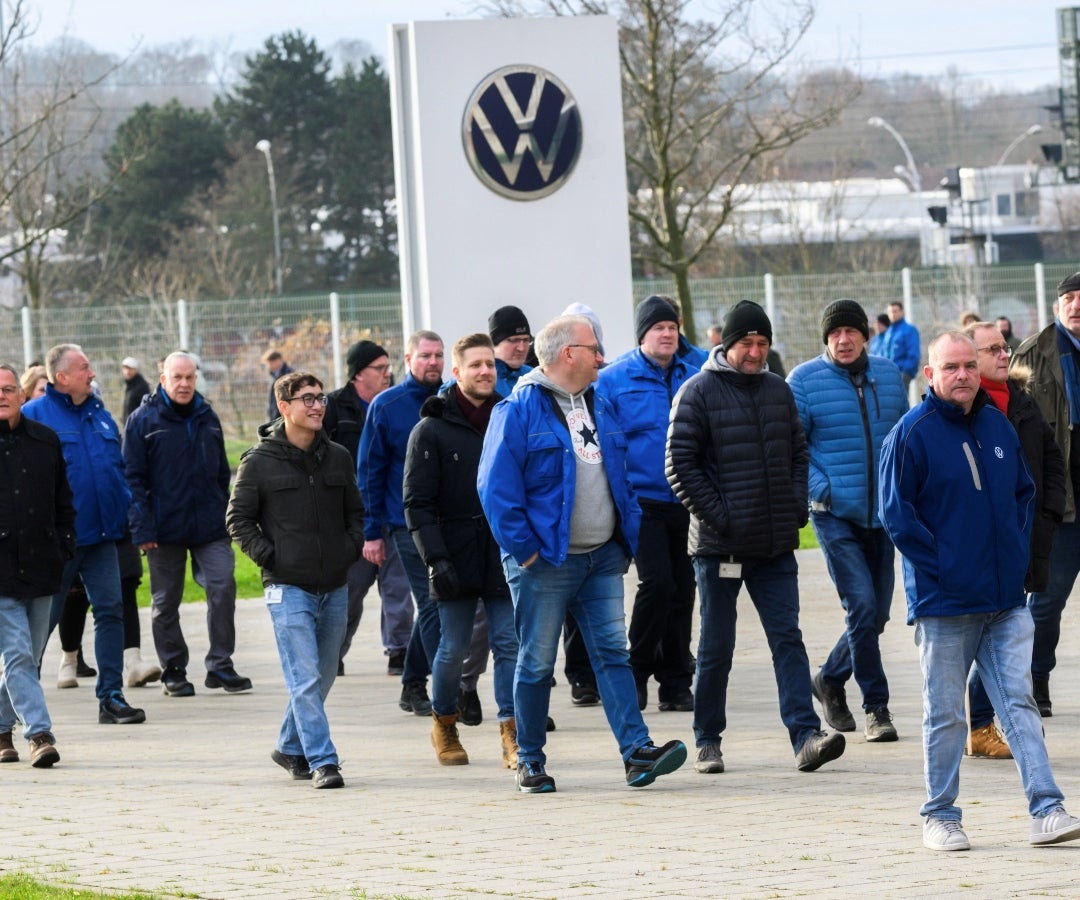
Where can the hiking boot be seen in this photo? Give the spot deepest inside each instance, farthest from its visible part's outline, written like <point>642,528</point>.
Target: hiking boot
<point>414,699</point>
<point>648,762</point>
<point>328,776</point>
<point>833,700</point>
<point>138,671</point>
<point>228,679</point>
<point>879,726</point>
<point>67,674</point>
<point>395,664</point>
<point>8,753</point>
<point>508,738</point>
<point>470,712</point>
<point>710,761</point>
<point>82,668</point>
<point>295,765</point>
<point>445,740</point>
<point>987,743</point>
<point>174,683</point>
<point>42,752</point>
<point>582,694</point>
<point>1054,828</point>
<point>532,779</point>
<point>1040,687</point>
<point>680,701</point>
<point>945,834</point>
<point>114,710</point>
<point>818,749</point>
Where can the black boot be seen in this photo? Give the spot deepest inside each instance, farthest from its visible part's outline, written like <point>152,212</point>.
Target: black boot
<point>1041,689</point>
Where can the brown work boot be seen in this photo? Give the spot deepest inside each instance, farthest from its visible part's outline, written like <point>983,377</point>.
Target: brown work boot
<point>987,743</point>
<point>42,752</point>
<point>508,736</point>
<point>8,753</point>
<point>445,740</point>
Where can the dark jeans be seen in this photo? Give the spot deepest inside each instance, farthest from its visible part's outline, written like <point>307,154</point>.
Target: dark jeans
<point>1047,606</point>
<point>424,641</point>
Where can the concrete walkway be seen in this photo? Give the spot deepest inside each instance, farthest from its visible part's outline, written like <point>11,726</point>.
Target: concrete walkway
<point>189,804</point>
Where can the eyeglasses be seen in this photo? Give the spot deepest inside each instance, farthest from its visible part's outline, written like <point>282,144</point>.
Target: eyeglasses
<point>309,400</point>
<point>519,341</point>
<point>996,349</point>
<point>10,390</point>
<point>594,347</point>
<point>380,369</point>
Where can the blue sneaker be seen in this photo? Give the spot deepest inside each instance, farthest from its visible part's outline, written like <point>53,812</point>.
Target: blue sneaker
<point>532,779</point>
<point>649,761</point>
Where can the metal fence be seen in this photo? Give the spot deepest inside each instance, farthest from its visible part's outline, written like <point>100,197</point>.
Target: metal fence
<point>314,331</point>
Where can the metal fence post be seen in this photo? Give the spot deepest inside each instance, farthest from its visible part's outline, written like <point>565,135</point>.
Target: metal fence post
<point>1040,295</point>
<point>905,281</point>
<point>27,337</point>
<point>335,336</point>
<point>770,297</point>
<point>182,322</point>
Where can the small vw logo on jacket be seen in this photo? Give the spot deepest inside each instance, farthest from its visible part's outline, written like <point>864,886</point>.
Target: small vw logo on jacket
<point>522,132</point>
<point>999,453</point>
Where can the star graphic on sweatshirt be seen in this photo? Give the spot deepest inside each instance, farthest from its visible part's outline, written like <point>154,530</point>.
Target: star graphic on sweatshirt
<point>588,436</point>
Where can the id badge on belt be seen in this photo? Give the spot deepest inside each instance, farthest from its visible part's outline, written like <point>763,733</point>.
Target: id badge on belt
<point>731,569</point>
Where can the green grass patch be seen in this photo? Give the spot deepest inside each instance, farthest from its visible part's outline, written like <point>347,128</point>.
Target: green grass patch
<point>248,583</point>
<point>807,538</point>
<point>234,447</point>
<point>23,887</point>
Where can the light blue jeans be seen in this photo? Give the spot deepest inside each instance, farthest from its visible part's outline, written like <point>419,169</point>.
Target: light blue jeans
<point>456,619</point>
<point>1001,644</point>
<point>308,629</point>
<point>24,631</point>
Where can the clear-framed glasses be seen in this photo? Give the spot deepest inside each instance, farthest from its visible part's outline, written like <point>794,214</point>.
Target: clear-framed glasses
<point>10,390</point>
<point>997,349</point>
<point>594,347</point>
<point>520,341</point>
<point>382,370</point>
<point>309,400</point>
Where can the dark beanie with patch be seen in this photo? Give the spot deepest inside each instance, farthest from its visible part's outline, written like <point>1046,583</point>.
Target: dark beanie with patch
<point>507,322</point>
<point>650,311</point>
<point>841,313</point>
<point>361,355</point>
<point>1072,283</point>
<point>745,318</point>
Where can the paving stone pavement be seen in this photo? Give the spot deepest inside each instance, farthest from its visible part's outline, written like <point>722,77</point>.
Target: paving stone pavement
<point>189,803</point>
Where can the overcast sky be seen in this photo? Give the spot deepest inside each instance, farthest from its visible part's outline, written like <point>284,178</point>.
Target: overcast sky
<point>1007,44</point>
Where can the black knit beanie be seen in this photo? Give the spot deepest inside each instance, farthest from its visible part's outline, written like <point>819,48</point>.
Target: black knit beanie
<point>650,311</point>
<point>507,322</point>
<point>844,312</point>
<point>744,318</point>
<point>361,355</point>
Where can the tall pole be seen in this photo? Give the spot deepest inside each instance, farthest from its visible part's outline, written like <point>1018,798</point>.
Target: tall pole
<point>1034,129</point>
<point>915,180</point>
<point>264,148</point>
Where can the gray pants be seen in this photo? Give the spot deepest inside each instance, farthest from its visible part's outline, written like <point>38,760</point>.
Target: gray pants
<point>212,566</point>
<point>397,605</point>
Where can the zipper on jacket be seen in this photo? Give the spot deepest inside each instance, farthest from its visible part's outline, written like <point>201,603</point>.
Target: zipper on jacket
<point>868,436</point>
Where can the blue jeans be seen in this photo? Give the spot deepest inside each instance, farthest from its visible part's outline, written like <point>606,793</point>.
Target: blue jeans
<point>308,629</point>
<point>773,585</point>
<point>1047,606</point>
<point>24,631</point>
<point>424,640</point>
<point>99,569</point>
<point>1001,645</point>
<point>860,562</point>
<point>590,585</point>
<point>456,619</point>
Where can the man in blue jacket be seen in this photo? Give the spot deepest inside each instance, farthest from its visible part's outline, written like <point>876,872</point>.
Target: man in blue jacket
<point>639,386</point>
<point>957,499</point>
<point>91,446</point>
<point>175,464</point>
<point>901,343</point>
<point>848,402</point>
<point>554,485</point>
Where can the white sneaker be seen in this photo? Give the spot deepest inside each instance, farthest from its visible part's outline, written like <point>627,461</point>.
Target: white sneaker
<point>1055,828</point>
<point>944,834</point>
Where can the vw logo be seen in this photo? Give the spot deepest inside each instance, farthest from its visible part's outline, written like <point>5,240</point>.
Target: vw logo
<point>522,132</point>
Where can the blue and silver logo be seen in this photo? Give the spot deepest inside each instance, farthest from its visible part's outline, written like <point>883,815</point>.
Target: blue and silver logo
<point>522,132</point>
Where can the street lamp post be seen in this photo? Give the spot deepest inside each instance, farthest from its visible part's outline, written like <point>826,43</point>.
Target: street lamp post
<point>264,148</point>
<point>912,177</point>
<point>1017,141</point>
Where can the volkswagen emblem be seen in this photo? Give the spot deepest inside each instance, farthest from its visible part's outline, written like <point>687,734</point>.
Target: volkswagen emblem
<point>522,132</point>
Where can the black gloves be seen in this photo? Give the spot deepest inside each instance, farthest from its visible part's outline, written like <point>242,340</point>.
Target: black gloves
<point>443,579</point>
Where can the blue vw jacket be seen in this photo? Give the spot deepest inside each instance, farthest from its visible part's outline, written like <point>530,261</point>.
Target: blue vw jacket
<point>95,469</point>
<point>178,473</point>
<point>845,426</point>
<point>380,467</point>
<point>901,344</point>
<point>528,471</point>
<point>957,499</point>
<point>640,394</point>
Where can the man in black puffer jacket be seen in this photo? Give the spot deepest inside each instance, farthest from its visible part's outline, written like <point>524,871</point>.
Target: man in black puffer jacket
<point>737,459</point>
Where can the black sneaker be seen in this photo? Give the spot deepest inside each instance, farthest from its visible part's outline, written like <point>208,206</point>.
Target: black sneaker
<point>174,683</point>
<point>228,679</point>
<point>395,664</point>
<point>295,765</point>
<point>414,699</point>
<point>649,761</point>
<point>879,726</point>
<point>114,710</point>
<point>582,694</point>
<point>818,749</point>
<point>680,701</point>
<point>469,710</point>
<point>833,700</point>
<point>328,776</point>
<point>532,779</point>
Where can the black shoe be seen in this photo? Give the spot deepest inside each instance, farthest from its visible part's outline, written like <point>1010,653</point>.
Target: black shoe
<point>228,679</point>
<point>649,761</point>
<point>114,710</point>
<point>328,776</point>
<point>414,699</point>
<point>818,749</point>
<point>340,668</point>
<point>1041,690</point>
<point>532,779</point>
<point>295,765</point>
<point>174,683</point>
<point>680,701</point>
<point>82,670</point>
<point>584,694</point>
<point>642,695</point>
<point>469,710</point>
<point>879,726</point>
<point>550,724</point>
<point>395,664</point>
<point>833,700</point>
